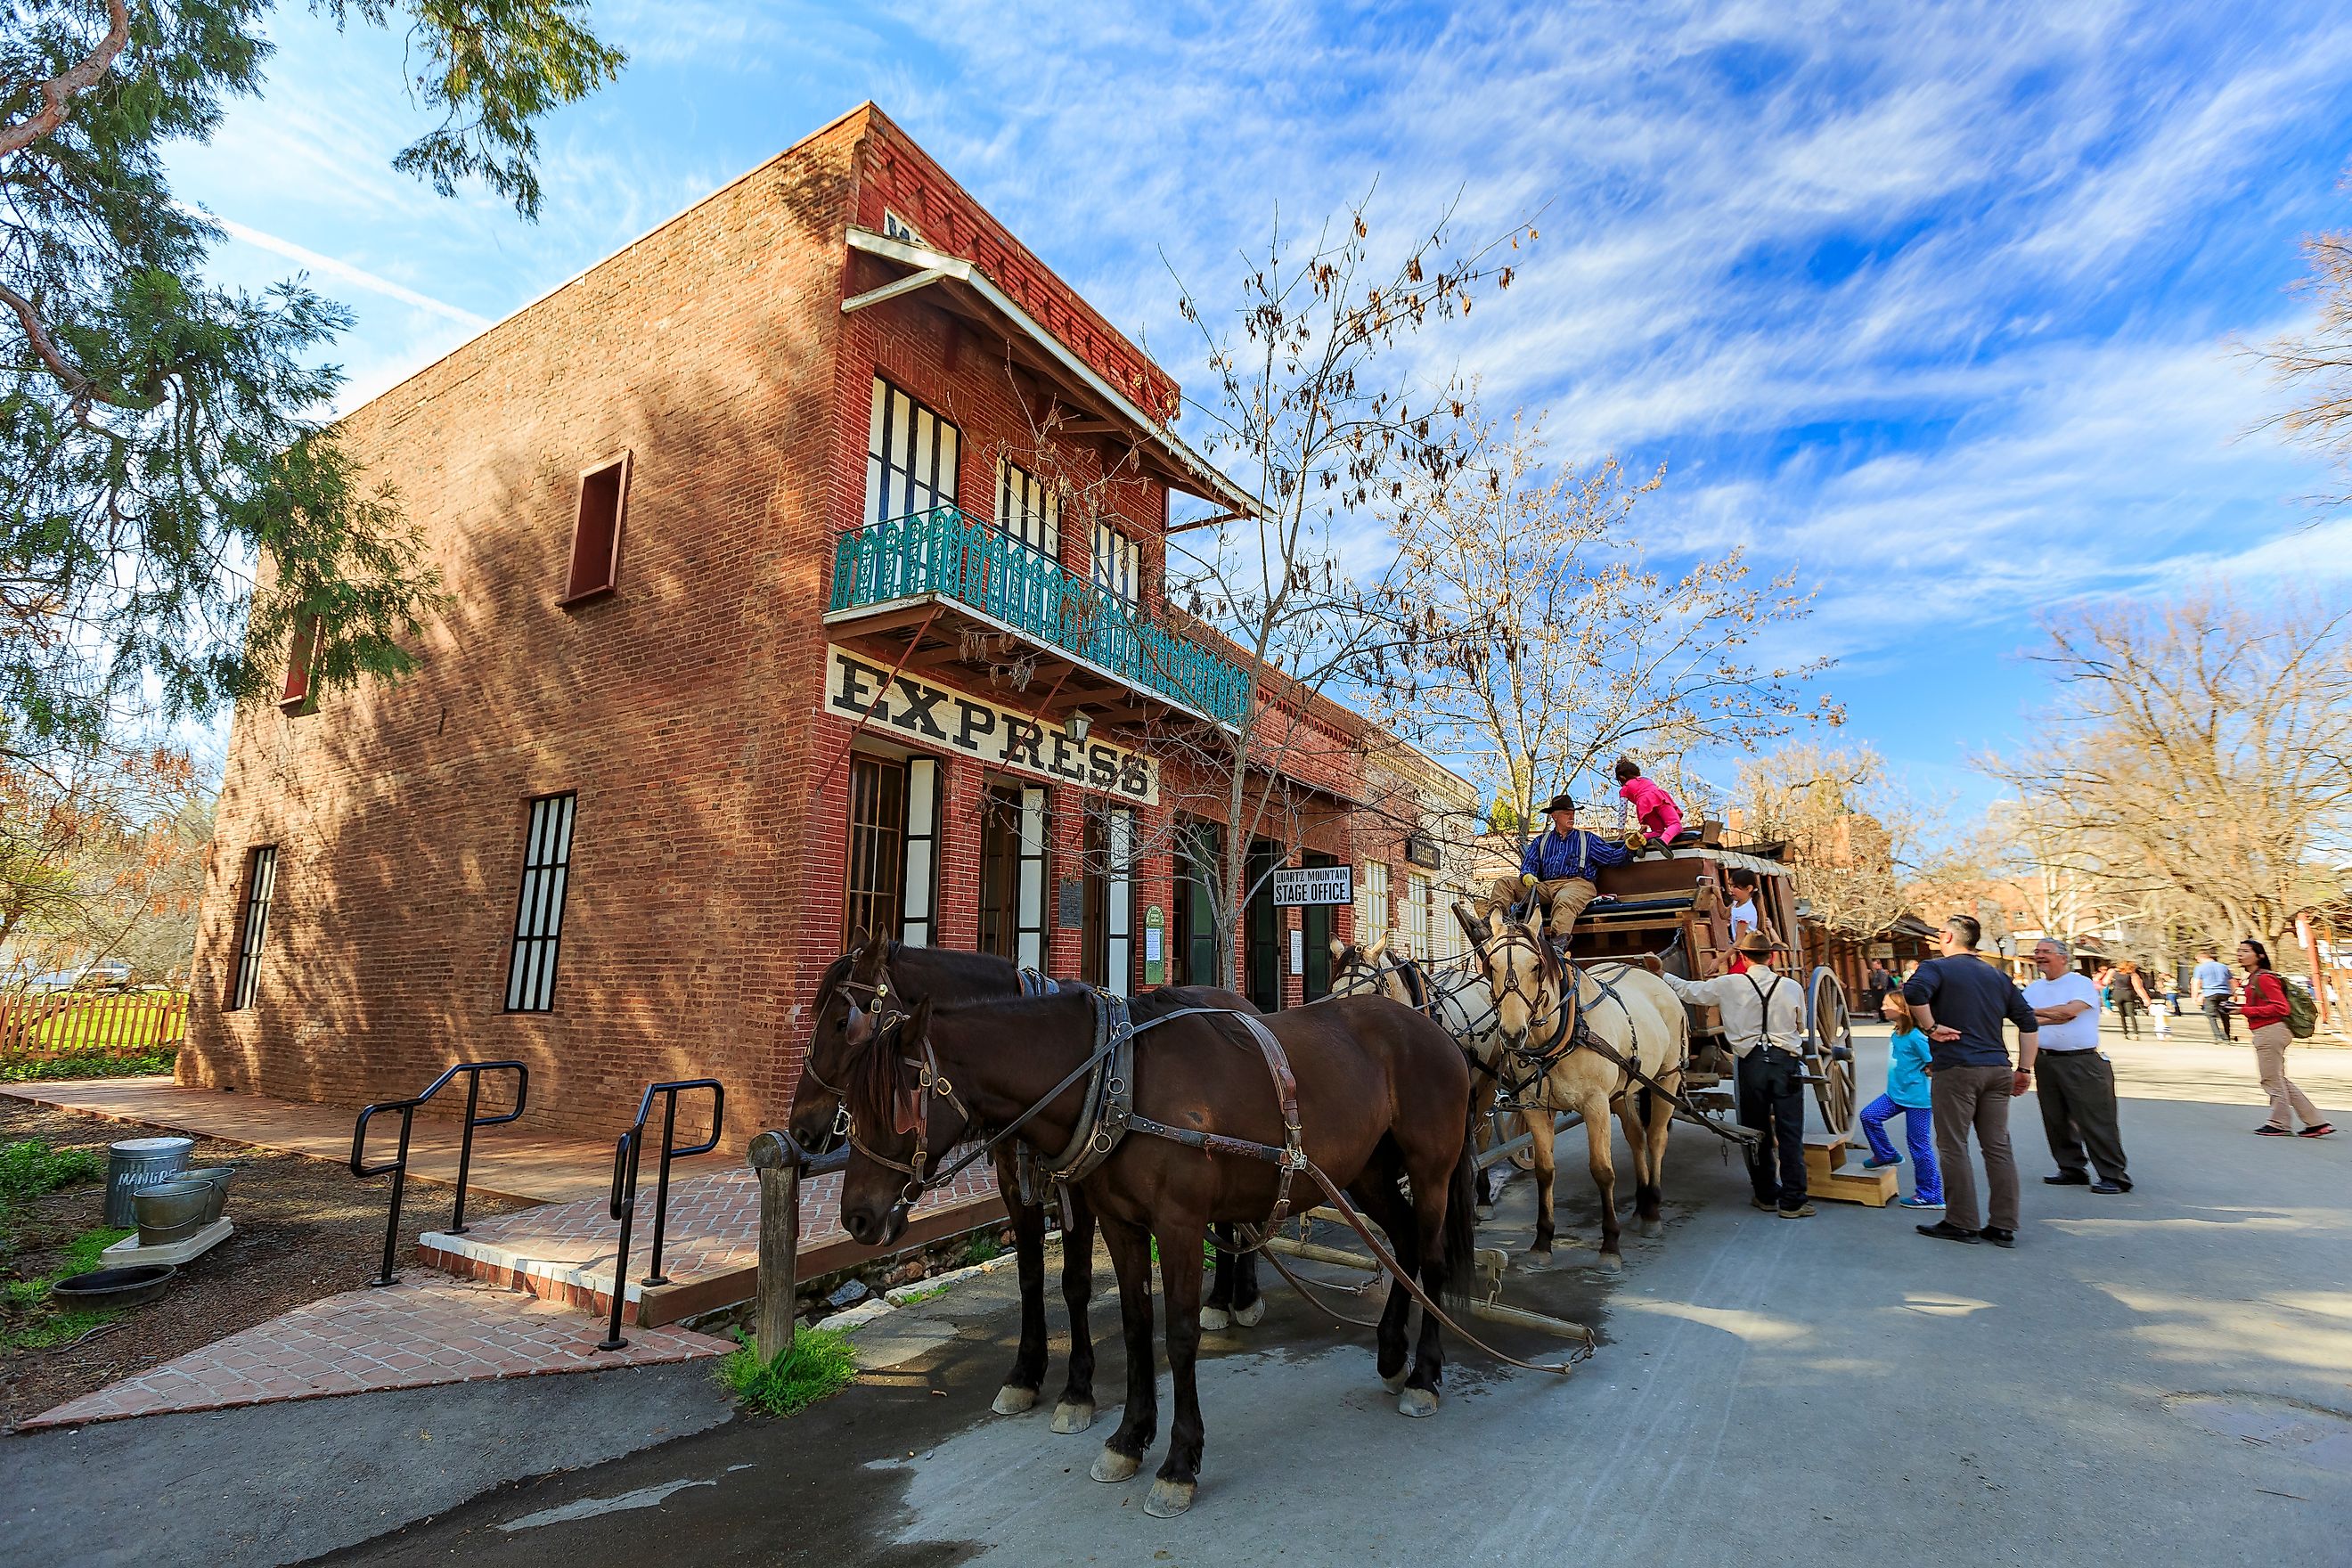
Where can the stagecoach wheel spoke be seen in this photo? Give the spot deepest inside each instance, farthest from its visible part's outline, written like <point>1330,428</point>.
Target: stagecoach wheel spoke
<point>1829,1025</point>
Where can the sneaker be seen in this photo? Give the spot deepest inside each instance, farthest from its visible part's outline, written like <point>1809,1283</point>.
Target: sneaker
<point>1803,1211</point>
<point>1768,1204</point>
<point>2067,1179</point>
<point>2109,1189</point>
<point>1920,1203</point>
<point>1945,1230</point>
<point>1999,1237</point>
<point>2267,1130</point>
<point>2324,1130</point>
<point>1875,1164</point>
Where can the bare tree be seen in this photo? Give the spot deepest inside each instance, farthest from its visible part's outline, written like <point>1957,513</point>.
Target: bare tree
<point>2202,751</point>
<point>2316,363</point>
<point>1853,834</point>
<point>1545,644</point>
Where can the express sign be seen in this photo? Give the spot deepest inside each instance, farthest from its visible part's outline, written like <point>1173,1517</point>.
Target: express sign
<point>940,720</point>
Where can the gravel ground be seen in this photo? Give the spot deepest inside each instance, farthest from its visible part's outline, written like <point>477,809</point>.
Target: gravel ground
<point>305,1229</point>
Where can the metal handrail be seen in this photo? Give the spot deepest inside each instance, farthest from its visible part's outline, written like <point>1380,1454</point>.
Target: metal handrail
<point>398,1168</point>
<point>947,552</point>
<point>624,1206</point>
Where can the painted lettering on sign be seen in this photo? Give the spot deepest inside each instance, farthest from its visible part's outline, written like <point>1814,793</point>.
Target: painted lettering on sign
<point>937,719</point>
<point>1315,885</point>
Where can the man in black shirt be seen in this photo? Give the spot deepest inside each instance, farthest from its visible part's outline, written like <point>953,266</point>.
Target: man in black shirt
<point>1959,1000</point>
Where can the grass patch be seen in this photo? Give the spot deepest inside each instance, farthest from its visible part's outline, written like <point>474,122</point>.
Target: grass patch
<point>820,1365</point>
<point>29,1321</point>
<point>31,1168</point>
<point>87,1064</point>
<point>982,1247</point>
<point>910,1297</point>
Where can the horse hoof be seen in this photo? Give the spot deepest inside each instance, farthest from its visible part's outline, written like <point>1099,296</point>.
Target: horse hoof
<point>1170,1499</point>
<point>1651,1227</point>
<point>1011,1400</point>
<point>1215,1319</point>
<point>1251,1316</point>
<point>1612,1261</point>
<point>1072,1416</point>
<point>1110,1465</point>
<point>1395,1380</point>
<point>1486,1213</point>
<point>1417,1403</point>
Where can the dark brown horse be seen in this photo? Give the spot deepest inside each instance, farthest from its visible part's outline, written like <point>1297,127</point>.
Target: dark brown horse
<point>1381,1092</point>
<point>949,977</point>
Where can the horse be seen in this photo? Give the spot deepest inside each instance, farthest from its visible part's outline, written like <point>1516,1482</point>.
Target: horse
<point>1540,1053</point>
<point>876,969</point>
<point>1361,1089</point>
<point>1445,995</point>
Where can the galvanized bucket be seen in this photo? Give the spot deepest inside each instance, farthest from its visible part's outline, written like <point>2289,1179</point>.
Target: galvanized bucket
<point>137,1163</point>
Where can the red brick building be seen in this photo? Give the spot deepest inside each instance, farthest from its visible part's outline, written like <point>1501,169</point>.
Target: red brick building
<point>805,560</point>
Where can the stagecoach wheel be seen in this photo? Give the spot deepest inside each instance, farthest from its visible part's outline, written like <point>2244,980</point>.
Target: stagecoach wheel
<point>1828,1026</point>
<point>1506,1126</point>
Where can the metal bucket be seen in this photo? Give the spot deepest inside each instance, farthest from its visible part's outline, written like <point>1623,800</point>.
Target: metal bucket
<point>173,1210</point>
<point>137,1163</point>
<point>216,1177</point>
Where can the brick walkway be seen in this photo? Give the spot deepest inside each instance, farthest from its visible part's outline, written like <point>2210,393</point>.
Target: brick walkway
<point>418,1332</point>
<point>508,1162</point>
<point>709,1251</point>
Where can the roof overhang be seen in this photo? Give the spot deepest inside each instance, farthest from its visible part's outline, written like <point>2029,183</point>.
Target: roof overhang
<point>969,293</point>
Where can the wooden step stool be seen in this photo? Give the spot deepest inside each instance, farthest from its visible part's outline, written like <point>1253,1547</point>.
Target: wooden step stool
<point>1827,1177</point>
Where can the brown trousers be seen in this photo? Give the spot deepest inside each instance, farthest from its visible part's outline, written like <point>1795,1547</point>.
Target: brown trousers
<point>1563,897</point>
<point>1975,1099</point>
<point>2287,1102</point>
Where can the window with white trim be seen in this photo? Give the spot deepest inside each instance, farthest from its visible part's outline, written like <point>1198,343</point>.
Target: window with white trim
<point>910,457</point>
<point>539,905</point>
<point>1372,903</point>
<point>1028,509</point>
<point>253,924</point>
<point>1118,562</point>
<point>1416,916</point>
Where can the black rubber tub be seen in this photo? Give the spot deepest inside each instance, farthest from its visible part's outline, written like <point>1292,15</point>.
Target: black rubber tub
<point>114,1287</point>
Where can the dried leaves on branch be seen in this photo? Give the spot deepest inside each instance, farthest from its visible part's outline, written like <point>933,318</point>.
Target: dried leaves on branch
<point>1313,409</point>
<point>162,465</point>
<point>2316,363</point>
<point>1544,643</point>
<point>1853,834</point>
<point>2198,759</point>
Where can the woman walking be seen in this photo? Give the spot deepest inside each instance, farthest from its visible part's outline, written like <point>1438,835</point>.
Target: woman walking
<point>2264,1003</point>
<point>2131,997</point>
<point>1906,1092</point>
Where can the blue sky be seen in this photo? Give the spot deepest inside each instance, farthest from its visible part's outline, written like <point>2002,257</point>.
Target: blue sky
<point>1937,305</point>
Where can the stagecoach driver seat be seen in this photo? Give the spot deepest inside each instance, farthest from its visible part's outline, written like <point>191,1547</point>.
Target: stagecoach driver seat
<point>1558,872</point>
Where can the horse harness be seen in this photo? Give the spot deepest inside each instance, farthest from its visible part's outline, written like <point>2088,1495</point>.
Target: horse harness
<point>1107,1111</point>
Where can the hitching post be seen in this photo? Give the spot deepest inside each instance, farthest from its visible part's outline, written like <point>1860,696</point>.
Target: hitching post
<point>778,1161</point>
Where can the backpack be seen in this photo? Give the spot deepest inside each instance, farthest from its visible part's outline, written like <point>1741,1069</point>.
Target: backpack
<point>2301,1012</point>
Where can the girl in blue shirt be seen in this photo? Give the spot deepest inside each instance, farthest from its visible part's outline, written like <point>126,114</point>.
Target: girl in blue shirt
<point>1907,1093</point>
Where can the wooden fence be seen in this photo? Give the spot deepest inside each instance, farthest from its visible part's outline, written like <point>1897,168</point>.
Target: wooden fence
<point>62,1024</point>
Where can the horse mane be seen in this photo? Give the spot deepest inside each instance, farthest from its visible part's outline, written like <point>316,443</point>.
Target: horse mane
<point>1416,987</point>
<point>873,1081</point>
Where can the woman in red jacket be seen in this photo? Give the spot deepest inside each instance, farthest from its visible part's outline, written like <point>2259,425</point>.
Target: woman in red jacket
<point>2264,1002</point>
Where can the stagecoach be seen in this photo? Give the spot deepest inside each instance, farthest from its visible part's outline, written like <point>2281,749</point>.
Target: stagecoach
<point>1676,900</point>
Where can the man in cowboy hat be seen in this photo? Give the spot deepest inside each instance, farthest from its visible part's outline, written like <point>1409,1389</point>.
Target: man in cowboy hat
<point>1557,870</point>
<point>1764,1021</point>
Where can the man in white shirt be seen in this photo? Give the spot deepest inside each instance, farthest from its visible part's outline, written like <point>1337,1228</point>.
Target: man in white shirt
<point>2073,1078</point>
<point>1764,1021</point>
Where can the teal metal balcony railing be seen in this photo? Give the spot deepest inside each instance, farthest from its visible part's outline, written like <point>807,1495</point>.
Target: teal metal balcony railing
<point>947,552</point>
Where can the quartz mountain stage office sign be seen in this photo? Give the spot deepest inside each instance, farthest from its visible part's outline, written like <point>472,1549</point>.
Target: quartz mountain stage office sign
<point>1315,885</point>
<point>936,717</point>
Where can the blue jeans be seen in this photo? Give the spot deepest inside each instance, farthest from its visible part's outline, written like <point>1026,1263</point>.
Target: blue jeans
<point>1918,1132</point>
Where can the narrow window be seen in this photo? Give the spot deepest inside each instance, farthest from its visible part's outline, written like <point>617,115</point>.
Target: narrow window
<point>1372,901</point>
<point>539,906</point>
<point>1119,563</point>
<point>910,457</point>
<point>1027,510</point>
<point>596,532</point>
<point>301,661</point>
<point>252,924</point>
<point>875,880</point>
<point>1416,915</point>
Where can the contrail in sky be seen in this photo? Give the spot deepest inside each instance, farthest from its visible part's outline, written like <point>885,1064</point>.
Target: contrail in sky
<point>356,277</point>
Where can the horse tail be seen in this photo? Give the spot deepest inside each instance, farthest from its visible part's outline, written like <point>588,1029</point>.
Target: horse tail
<point>1461,1244</point>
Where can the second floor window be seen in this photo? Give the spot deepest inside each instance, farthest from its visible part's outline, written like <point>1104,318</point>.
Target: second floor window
<point>596,531</point>
<point>1028,509</point>
<point>910,457</point>
<point>1119,563</point>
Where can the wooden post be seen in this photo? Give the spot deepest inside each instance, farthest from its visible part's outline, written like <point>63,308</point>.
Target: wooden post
<point>779,1240</point>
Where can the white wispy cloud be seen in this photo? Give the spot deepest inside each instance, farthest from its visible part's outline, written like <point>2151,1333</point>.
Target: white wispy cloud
<point>344,272</point>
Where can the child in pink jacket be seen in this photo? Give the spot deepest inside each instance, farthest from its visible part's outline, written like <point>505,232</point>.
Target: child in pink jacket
<point>1661,818</point>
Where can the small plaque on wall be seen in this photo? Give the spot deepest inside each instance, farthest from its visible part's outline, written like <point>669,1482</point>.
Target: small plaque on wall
<point>1070,904</point>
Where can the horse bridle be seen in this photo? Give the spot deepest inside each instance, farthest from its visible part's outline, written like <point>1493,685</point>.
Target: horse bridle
<point>930,1083</point>
<point>1569,1007</point>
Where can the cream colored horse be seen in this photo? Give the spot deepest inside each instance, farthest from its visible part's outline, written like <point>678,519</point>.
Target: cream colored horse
<point>1540,1063</point>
